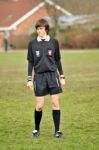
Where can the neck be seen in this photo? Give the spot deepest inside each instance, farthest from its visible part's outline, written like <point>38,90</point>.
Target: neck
<point>43,37</point>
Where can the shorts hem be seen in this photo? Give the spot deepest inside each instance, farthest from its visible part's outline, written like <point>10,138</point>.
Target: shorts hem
<point>49,93</point>
<point>55,92</point>
<point>41,94</point>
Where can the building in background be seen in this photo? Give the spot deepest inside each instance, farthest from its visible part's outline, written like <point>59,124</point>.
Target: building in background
<point>17,20</point>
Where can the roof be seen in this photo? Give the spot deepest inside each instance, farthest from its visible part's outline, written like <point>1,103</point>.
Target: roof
<point>14,12</point>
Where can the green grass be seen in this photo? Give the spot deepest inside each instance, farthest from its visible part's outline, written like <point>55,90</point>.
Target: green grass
<point>79,104</point>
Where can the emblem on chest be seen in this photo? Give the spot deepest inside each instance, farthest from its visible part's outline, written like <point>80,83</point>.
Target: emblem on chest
<point>38,53</point>
<point>49,52</point>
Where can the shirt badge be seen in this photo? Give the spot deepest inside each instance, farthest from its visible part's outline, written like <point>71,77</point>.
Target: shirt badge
<point>38,53</point>
<point>50,52</point>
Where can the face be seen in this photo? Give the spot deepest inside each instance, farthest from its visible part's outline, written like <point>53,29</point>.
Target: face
<point>41,32</point>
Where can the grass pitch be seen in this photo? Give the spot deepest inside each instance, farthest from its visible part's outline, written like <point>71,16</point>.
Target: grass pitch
<point>79,104</point>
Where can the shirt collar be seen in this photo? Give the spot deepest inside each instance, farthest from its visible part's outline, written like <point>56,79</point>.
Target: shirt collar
<point>46,39</point>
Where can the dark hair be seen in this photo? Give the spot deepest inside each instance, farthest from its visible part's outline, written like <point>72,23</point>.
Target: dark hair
<point>42,23</point>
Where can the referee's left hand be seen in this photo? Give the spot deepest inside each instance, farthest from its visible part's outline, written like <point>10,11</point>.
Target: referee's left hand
<point>62,81</point>
<point>30,85</point>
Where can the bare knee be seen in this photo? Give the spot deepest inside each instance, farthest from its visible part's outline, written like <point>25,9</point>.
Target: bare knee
<point>39,107</point>
<point>39,103</point>
<point>55,106</point>
<point>55,102</point>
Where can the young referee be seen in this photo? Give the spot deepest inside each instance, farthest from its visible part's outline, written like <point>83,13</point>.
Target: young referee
<point>44,57</point>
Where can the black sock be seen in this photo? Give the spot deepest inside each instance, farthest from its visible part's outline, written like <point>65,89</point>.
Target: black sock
<point>56,119</point>
<point>37,117</point>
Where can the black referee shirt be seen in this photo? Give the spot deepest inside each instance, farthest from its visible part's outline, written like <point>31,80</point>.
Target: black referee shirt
<point>44,56</point>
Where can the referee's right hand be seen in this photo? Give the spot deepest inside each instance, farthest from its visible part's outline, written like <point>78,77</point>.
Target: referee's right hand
<point>30,85</point>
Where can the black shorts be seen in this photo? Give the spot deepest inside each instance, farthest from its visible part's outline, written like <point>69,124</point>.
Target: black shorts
<point>46,83</point>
